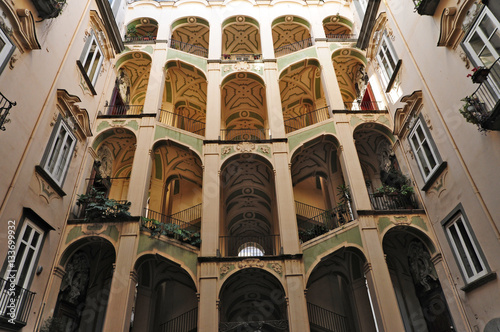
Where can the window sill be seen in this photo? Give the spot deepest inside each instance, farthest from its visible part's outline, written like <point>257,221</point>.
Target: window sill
<point>434,176</point>
<point>86,78</point>
<point>479,282</point>
<point>40,171</point>
<point>393,77</point>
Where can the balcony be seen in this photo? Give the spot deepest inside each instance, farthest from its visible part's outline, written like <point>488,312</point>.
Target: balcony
<point>138,39</point>
<point>247,57</point>
<point>15,305</point>
<point>426,7</point>
<point>327,320</point>
<point>313,221</point>
<point>249,246</point>
<point>307,119</point>
<point>120,110</point>
<point>482,108</point>
<point>188,48</point>
<point>342,37</point>
<point>182,122</point>
<point>262,325</point>
<point>365,106</point>
<point>188,321</point>
<point>241,135</point>
<point>290,48</point>
<point>5,106</point>
<point>394,201</point>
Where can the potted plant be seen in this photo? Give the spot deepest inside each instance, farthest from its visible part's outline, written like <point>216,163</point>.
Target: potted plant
<point>479,74</point>
<point>100,208</point>
<point>474,112</point>
<point>426,7</point>
<point>49,8</point>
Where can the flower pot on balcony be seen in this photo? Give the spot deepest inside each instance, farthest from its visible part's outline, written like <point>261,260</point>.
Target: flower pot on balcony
<point>427,7</point>
<point>49,8</point>
<point>480,75</point>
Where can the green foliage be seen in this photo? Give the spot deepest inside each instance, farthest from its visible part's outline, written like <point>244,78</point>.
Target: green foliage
<point>394,182</point>
<point>98,206</point>
<point>174,231</point>
<point>473,112</point>
<point>312,232</point>
<point>343,194</point>
<point>52,324</point>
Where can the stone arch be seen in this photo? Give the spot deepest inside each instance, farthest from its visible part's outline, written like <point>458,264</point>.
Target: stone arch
<point>290,33</point>
<point>191,34</point>
<point>416,232</point>
<point>241,35</point>
<point>349,65</point>
<point>134,69</point>
<point>142,27</point>
<point>336,25</point>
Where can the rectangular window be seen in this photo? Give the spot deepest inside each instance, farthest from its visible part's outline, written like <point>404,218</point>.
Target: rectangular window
<point>423,150</point>
<point>6,49</point>
<point>465,248</point>
<point>92,60</point>
<point>483,40</point>
<point>59,151</point>
<point>387,59</point>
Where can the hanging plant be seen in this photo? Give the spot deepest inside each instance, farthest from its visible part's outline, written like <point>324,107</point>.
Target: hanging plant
<point>473,112</point>
<point>49,8</point>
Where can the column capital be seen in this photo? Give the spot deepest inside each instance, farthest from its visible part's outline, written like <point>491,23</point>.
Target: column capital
<point>58,272</point>
<point>437,258</point>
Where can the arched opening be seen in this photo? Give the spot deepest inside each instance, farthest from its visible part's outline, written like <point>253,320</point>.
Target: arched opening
<point>184,100</point>
<point>191,35</point>
<point>337,294</point>
<point>338,27</point>
<point>420,297</point>
<point>244,109</point>
<point>249,217</point>
<point>85,288</point>
<point>290,34</point>
<point>165,297</point>
<point>141,29</point>
<point>388,187</point>
<point>241,39</point>
<point>302,98</point>
<point>322,200</point>
<point>252,300</point>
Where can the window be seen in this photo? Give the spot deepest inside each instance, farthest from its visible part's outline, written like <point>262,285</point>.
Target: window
<point>91,59</point>
<point>424,150</point>
<point>6,49</point>
<point>465,248</point>
<point>59,151</point>
<point>483,40</point>
<point>387,59</point>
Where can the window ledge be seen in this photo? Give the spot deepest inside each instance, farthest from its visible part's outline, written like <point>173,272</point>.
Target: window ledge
<point>479,282</point>
<point>393,77</point>
<point>39,169</point>
<point>434,176</point>
<point>86,78</point>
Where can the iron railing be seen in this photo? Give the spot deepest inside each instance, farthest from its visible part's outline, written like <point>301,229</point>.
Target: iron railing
<point>248,246</point>
<point>242,56</point>
<point>307,119</point>
<point>5,106</point>
<point>364,106</point>
<point>341,36</point>
<point>186,322</point>
<point>327,319</point>
<point>243,134</point>
<point>182,122</point>
<point>188,215</point>
<point>124,109</point>
<point>262,325</point>
<point>294,47</point>
<point>485,101</point>
<point>168,219</point>
<point>188,48</point>
<point>323,222</point>
<point>395,201</point>
<point>307,211</point>
<point>130,39</point>
<point>15,302</point>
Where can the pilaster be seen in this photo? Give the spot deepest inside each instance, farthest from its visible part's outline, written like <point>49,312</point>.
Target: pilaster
<point>208,316</point>
<point>273,99</point>
<point>211,202</point>
<point>156,79</point>
<point>331,87</point>
<point>213,118</point>
<point>297,304</point>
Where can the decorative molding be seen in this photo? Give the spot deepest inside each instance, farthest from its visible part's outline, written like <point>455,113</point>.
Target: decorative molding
<point>79,116</point>
<point>21,26</point>
<point>250,262</point>
<point>420,263</point>
<point>453,20</point>
<point>376,36</point>
<point>225,269</point>
<point>403,116</point>
<point>277,267</point>
<point>46,191</point>
<point>439,185</point>
<point>265,149</point>
<point>226,150</point>
<point>245,147</point>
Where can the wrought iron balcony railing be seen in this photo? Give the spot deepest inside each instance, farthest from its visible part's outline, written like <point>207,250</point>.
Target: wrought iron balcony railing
<point>307,211</point>
<point>394,201</point>
<point>124,109</point>
<point>182,122</point>
<point>188,48</point>
<point>307,119</point>
<point>242,57</point>
<point>325,221</point>
<point>131,39</point>
<point>5,106</point>
<point>170,219</point>
<point>484,108</point>
<point>15,302</point>
<point>186,322</point>
<point>294,47</point>
<point>262,325</point>
<point>249,246</point>
<point>341,37</point>
<point>241,135</point>
<point>326,319</point>
<point>365,106</point>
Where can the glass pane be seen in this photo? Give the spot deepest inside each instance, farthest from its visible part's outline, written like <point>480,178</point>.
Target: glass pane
<point>90,56</point>
<point>64,157</point>
<point>486,57</point>
<point>423,162</point>
<point>34,241</point>
<point>461,251</point>
<point>55,151</point>
<point>487,26</point>
<point>93,72</point>
<point>416,143</point>
<point>428,153</point>
<point>25,268</point>
<point>476,43</point>
<point>469,246</point>
<point>495,41</point>
<point>420,134</point>
<point>27,233</point>
<point>19,256</point>
<point>2,44</point>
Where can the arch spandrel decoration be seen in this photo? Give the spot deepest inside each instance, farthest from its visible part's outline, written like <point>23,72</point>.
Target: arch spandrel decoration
<point>417,222</point>
<point>274,267</point>
<point>246,147</point>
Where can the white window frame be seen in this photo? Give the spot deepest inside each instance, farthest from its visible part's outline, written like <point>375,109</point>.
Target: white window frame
<point>427,140</point>
<point>58,154</point>
<point>382,55</point>
<point>476,29</point>
<point>463,237</point>
<point>91,61</point>
<point>6,51</point>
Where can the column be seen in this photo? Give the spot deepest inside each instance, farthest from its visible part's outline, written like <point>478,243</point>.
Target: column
<point>211,202</point>
<point>215,38</point>
<point>273,99</point>
<point>297,305</point>
<point>285,201</point>
<point>266,34</point>
<point>351,167</point>
<point>141,167</point>
<point>154,93</point>
<point>329,78</point>
<point>382,295</point>
<point>213,118</point>
<point>208,316</point>
<point>51,300</point>
<point>121,297</point>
